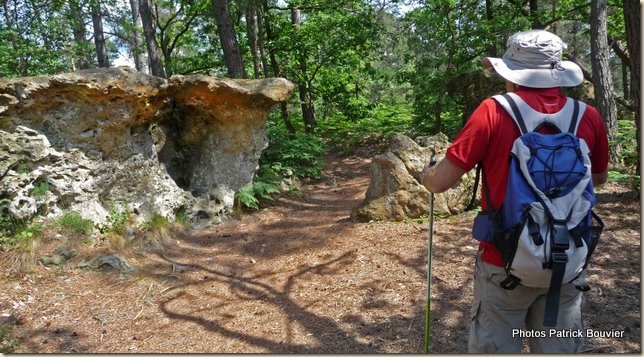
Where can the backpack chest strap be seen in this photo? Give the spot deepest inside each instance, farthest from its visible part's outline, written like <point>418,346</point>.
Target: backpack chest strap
<point>527,119</point>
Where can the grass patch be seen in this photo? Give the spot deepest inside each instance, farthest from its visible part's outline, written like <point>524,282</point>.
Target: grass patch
<point>73,223</point>
<point>40,190</point>
<point>21,239</point>
<point>156,223</point>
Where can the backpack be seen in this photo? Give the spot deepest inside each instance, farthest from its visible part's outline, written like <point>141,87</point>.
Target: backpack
<point>544,229</point>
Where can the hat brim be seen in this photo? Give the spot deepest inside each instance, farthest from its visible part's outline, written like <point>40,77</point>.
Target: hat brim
<point>569,76</point>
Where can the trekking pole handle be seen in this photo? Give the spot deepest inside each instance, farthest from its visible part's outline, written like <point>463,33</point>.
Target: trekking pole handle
<point>432,159</point>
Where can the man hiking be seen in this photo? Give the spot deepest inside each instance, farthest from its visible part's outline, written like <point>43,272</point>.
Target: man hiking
<point>507,308</point>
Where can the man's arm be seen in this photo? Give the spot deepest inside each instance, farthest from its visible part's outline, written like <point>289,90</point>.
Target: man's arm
<point>440,177</point>
<point>598,179</point>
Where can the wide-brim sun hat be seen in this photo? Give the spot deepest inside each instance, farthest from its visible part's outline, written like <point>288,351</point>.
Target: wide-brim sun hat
<point>534,59</point>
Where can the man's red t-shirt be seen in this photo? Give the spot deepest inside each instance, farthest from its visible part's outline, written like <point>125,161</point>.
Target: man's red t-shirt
<point>488,135</point>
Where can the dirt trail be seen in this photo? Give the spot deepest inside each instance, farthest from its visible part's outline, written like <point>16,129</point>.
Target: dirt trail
<point>299,277</point>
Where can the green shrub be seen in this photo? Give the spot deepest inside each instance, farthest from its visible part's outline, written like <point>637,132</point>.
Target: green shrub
<point>117,220</point>
<point>298,154</point>
<point>73,222</point>
<point>18,233</point>
<point>40,189</point>
<point>382,122</point>
<point>625,179</point>
<point>181,217</point>
<point>156,223</point>
<point>248,196</point>
<point>626,137</point>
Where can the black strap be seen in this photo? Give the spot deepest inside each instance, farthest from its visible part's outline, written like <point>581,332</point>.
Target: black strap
<point>559,260</point>
<point>470,206</point>
<point>560,245</point>
<point>573,122</point>
<point>517,113</point>
<point>486,187</point>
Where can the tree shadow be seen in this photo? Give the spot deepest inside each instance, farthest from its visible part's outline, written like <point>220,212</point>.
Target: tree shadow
<point>327,333</point>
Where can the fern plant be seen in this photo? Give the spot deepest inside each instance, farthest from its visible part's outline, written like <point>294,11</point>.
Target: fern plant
<point>248,196</point>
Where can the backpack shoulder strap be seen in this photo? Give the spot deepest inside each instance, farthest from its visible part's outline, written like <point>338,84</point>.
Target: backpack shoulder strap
<point>511,107</point>
<point>578,112</point>
<point>528,119</point>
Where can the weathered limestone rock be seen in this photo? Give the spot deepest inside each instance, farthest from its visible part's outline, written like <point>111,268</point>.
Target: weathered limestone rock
<point>104,138</point>
<point>395,192</point>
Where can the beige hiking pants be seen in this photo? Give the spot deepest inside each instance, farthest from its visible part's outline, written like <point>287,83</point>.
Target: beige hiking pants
<point>501,318</point>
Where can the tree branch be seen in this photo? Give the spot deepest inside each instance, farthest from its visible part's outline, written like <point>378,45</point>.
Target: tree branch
<point>620,51</point>
<point>624,103</point>
<point>587,74</point>
<point>183,31</point>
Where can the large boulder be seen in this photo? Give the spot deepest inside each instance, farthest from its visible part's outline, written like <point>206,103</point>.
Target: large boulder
<point>395,191</point>
<point>93,140</point>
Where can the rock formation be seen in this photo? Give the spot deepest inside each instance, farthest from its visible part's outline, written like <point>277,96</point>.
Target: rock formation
<point>96,140</point>
<point>395,192</point>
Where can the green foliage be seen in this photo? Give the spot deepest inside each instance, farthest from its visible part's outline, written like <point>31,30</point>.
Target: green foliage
<point>18,233</point>
<point>181,217</point>
<point>40,190</point>
<point>625,179</point>
<point>626,137</point>
<point>248,196</point>
<point>156,223</point>
<point>117,220</point>
<point>245,197</point>
<point>298,154</point>
<point>383,122</point>
<point>72,222</point>
<point>288,156</point>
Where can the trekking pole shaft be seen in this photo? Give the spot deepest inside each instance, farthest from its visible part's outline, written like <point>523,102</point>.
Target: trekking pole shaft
<point>430,234</point>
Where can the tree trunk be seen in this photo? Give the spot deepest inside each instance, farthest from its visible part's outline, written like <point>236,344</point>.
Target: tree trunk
<point>99,37</point>
<point>534,14</point>
<point>39,19</point>
<point>80,36</point>
<point>633,25</point>
<point>602,80</point>
<point>20,68</point>
<point>286,116</point>
<point>489,15</point>
<point>304,88</point>
<point>260,42</point>
<point>442,90</point>
<point>136,37</point>
<point>625,81</point>
<point>149,30</point>
<point>251,27</point>
<point>228,38</point>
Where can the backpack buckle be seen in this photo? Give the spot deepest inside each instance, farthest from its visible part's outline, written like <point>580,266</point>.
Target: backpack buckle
<point>561,238</point>
<point>559,258</point>
<point>583,287</point>
<point>510,282</point>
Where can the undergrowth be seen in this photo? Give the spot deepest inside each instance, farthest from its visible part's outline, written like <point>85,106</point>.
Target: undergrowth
<point>73,223</point>
<point>344,135</point>
<point>289,157</point>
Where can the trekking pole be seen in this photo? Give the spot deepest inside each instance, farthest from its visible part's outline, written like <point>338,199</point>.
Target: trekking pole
<point>430,233</point>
